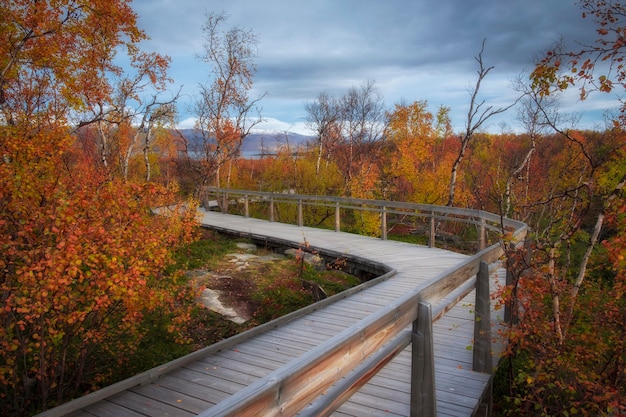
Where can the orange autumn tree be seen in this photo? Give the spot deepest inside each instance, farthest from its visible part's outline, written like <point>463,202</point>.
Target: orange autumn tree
<point>565,351</point>
<point>81,253</point>
<point>420,160</point>
<point>566,354</point>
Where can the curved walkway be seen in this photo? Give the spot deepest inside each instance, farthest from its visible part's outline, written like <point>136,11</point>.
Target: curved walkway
<point>193,384</point>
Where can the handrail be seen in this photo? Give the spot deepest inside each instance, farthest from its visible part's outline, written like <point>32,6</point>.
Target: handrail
<point>385,330</point>
<point>372,342</point>
<point>222,197</point>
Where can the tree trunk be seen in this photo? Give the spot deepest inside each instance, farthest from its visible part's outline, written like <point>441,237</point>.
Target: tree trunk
<point>457,163</point>
<point>146,159</point>
<point>583,267</point>
<point>103,147</point>
<point>556,303</point>
<point>513,176</point>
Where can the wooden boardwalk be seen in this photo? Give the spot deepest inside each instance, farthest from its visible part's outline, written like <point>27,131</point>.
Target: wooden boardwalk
<point>194,384</point>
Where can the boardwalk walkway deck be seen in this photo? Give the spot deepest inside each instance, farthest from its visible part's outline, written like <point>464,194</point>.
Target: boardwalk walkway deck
<point>195,383</point>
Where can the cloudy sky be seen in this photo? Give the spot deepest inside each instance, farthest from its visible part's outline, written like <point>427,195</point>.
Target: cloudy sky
<point>412,50</point>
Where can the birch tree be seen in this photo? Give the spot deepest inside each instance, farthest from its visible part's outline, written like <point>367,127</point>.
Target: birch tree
<point>224,106</point>
<point>322,117</point>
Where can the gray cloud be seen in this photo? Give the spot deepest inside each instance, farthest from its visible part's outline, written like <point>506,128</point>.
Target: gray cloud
<point>414,50</point>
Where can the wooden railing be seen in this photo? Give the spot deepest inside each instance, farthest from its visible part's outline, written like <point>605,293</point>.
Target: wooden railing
<point>228,199</point>
<point>341,365</point>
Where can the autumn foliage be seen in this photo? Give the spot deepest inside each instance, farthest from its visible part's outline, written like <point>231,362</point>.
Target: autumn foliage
<point>80,271</point>
<point>565,351</point>
<point>82,253</point>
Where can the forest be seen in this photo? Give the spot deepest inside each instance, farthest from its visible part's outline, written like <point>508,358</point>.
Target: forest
<point>88,149</point>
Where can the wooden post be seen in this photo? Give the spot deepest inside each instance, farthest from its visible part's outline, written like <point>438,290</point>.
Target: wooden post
<point>383,223</point>
<point>337,217</point>
<point>246,208</point>
<point>300,217</point>
<point>225,203</point>
<point>431,231</point>
<point>482,361</point>
<point>423,399</point>
<point>482,235</point>
<point>271,208</point>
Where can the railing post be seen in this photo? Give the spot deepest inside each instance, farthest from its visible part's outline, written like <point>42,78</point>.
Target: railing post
<point>300,217</point>
<point>423,399</point>
<point>482,235</point>
<point>246,207</point>
<point>383,223</point>
<point>337,217</point>
<point>272,208</point>
<point>431,230</point>
<point>224,204</point>
<point>202,195</point>
<point>482,361</point>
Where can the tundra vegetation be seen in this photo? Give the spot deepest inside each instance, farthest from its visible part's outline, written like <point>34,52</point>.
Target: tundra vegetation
<point>90,278</point>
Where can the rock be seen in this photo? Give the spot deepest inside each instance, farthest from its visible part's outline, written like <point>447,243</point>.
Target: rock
<point>241,257</point>
<point>196,273</point>
<point>248,247</point>
<point>211,300</point>
<point>271,257</point>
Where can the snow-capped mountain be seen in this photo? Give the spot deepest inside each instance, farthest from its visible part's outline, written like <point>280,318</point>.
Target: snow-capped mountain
<point>258,141</point>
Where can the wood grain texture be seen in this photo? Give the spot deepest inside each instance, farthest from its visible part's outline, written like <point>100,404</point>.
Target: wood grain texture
<point>200,383</point>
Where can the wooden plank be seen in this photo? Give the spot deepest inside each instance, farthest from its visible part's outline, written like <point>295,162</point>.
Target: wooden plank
<point>306,377</point>
<point>147,406</point>
<point>254,350</point>
<point>253,359</point>
<point>329,319</point>
<point>181,400</point>
<point>109,409</point>
<point>375,297</point>
<point>311,331</point>
<point>300,335</point>
<point>273,337</point>
<point>357,378</point>
<point>245,374</point>
<point>340,309</point>
<point>220,378</point>
<point>395,376</point>
<point>272,347</point>
<point>238,365</point>
<point>324,321</point>
<point>196,390</point>
<point>82,413</point>
<point>361,405</point>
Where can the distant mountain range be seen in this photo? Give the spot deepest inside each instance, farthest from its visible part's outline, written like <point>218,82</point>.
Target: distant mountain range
<point>258,142</point>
